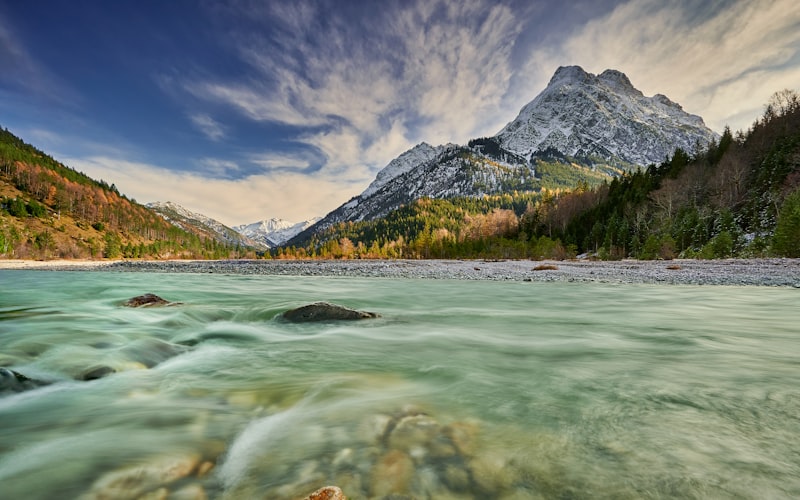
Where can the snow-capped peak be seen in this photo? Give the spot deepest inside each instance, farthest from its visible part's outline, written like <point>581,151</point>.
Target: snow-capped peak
<point>273,232</point>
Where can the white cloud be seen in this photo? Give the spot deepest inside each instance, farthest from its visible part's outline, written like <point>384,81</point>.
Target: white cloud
<point>722,65</point>
<point>218,167</point>
<point>208,126</point>
<point>286,195</point>
<point>270,161</point>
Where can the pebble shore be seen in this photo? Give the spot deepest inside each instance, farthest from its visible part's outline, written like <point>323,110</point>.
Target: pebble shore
<point>736,272</point>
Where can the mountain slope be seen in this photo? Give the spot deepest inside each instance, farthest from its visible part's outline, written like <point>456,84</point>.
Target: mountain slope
<point>48,210</point>
<point>581,129</point>
<point>201,225</point>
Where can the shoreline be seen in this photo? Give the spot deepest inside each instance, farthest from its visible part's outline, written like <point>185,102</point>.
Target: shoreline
<point>737,272</point>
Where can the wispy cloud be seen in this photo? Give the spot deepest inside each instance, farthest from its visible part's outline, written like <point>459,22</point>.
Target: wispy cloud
<point>218,167</point>
<point>363,92</point>
<point>208,126</point>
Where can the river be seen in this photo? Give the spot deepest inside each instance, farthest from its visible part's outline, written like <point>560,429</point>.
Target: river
<point>460,390</point>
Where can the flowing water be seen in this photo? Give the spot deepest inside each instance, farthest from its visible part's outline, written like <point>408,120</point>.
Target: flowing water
<point>461,389</point>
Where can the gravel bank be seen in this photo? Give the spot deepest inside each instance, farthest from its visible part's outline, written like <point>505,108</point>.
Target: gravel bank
<point>755,272</point>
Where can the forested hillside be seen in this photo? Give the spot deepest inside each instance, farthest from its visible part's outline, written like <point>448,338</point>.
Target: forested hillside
<point>740,197</point>
<point>48,210</point>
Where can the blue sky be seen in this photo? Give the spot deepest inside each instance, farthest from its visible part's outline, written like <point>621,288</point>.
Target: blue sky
<point>246,109</point>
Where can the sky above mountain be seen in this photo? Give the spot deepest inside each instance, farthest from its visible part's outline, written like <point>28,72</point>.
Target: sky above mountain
<point>249,109</point>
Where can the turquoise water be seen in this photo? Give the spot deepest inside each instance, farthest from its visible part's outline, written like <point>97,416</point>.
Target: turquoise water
<point>462,389</point>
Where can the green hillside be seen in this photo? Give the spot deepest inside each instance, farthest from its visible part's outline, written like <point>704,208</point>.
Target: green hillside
<point>48,210</point>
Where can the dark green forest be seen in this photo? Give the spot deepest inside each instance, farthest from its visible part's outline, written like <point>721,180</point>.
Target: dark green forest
<point>738,197</point>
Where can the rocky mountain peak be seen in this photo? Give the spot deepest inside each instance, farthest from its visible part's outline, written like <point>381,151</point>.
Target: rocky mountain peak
<point>617,79</point>
<point>604,118</point>
<point>569,75</point>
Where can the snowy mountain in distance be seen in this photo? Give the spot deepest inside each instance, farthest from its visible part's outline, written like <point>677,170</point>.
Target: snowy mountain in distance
<point>201,225</point>
<point>273,232</point>
<point>582,115</point>
<point>595,126</point>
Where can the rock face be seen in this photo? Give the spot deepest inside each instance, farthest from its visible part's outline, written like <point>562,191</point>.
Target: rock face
<point>324,311</point>
<point>146,300</point>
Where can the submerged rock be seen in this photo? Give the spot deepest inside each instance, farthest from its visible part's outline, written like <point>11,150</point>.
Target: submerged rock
<point>152,478</point>
<point>96,372</point>
<point>147,300</point>
<point>325,311</point>
<point>13,381</point>
<point>327,493</point>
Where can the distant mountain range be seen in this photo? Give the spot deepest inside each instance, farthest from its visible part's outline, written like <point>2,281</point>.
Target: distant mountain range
<point>202,225</point>
<point>264,234</point>
<point>597,125</point>
<point>273,232</point>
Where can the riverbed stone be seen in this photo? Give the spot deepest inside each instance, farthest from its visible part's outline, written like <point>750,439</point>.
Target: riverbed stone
<point>13,381</point>
<point>325,311</point>
<point>327,493</point>
<point>392,474</point>
<point>147,300</point>
<point>96,372</point>
<point>135,481</point>
<point>413,432</point>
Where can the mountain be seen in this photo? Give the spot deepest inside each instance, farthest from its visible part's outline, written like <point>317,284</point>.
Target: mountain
<point>273,232</point>
<point>201,225</point>
<point>586,116</point>
<point>581,129</point>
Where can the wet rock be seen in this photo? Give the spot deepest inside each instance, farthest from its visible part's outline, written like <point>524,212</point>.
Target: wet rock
<point>147,300</point>
<point>189,492</point>
<point>151,351</point>
<point>150,478</point>
<point>96,372</point>
<point>13,381</point>
<point>463,435</point>
<point>413,432</point>
<point>325,311</point>
<point>392,474</point>
<point>327,493</point>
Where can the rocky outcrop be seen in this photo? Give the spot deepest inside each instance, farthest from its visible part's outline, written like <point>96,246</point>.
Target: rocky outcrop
<point>325,311</point>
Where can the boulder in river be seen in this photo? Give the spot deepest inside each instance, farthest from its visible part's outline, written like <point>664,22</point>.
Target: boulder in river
<point>12,381</point>
<point>96,372</point>
<point>325,311</point>
<point>147,300</point>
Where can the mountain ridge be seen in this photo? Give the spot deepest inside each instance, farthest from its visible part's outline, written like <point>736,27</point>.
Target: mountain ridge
<point>600,122</point>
